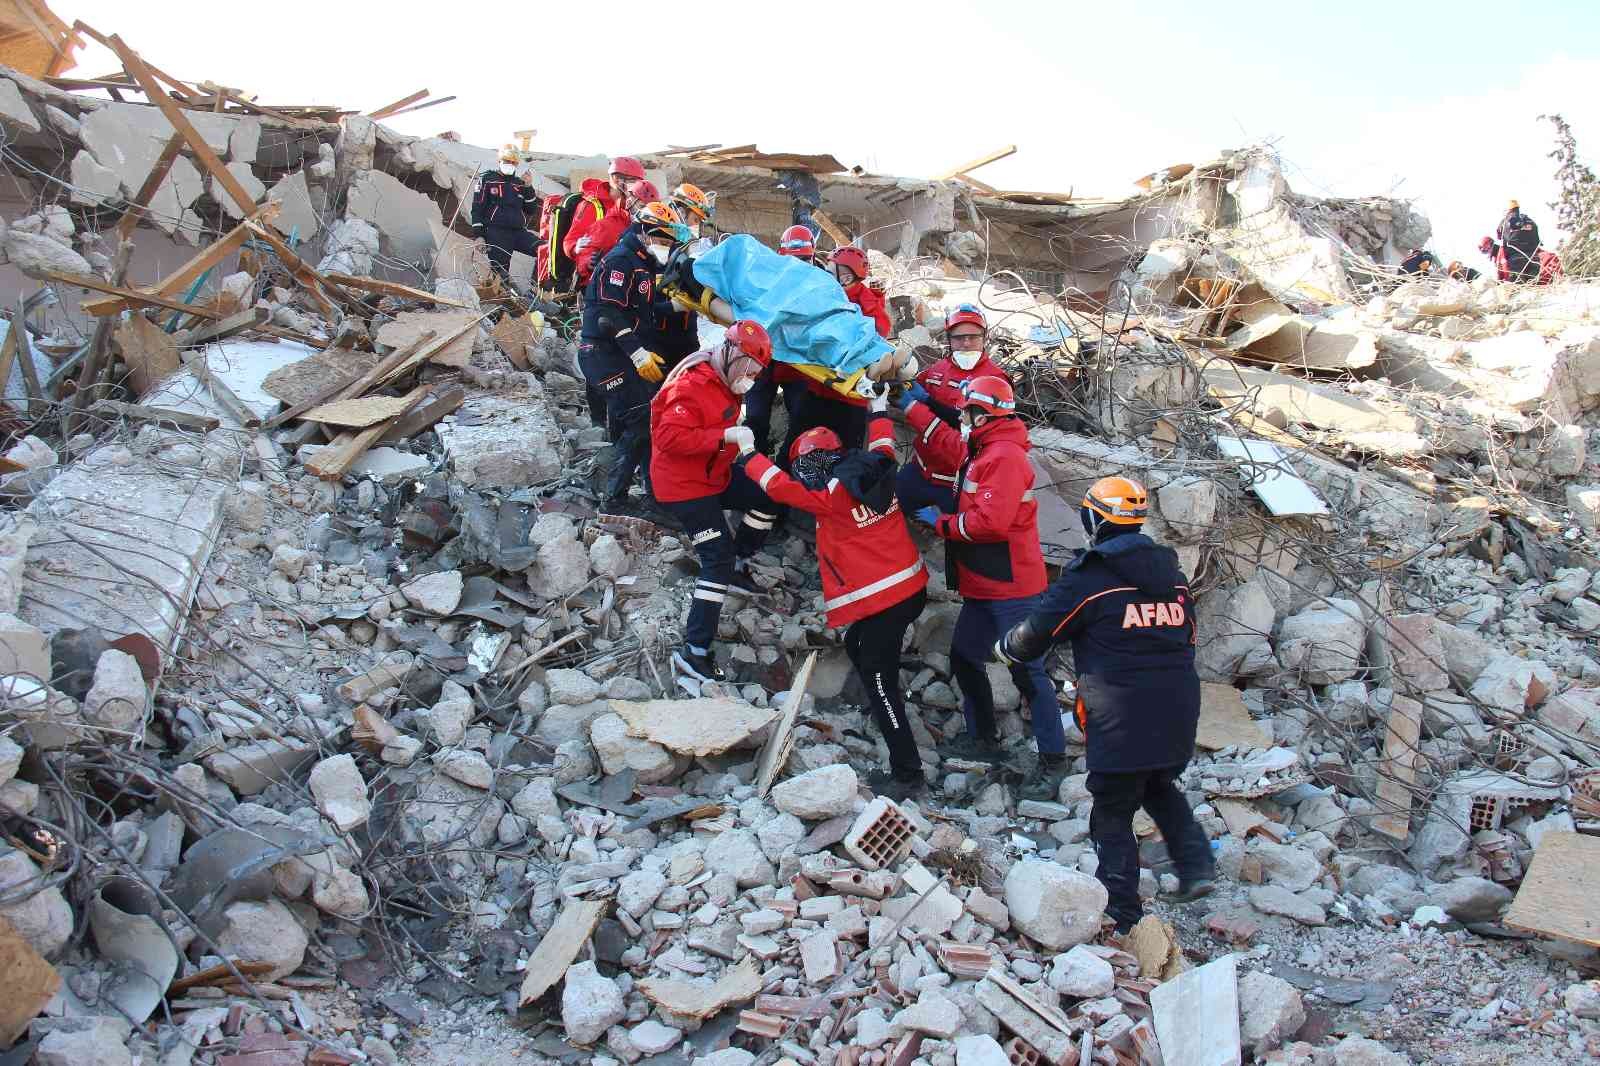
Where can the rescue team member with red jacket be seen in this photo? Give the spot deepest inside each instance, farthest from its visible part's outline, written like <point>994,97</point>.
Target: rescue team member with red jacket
<point>601,237</point>
<point>613,343</point>
<point>693,429</point>
<point>850,267</point>
<point>607,196</point>
<point>799,243</point>
<point>992,557</point>
<point>1125,606</point>
<point>501,205</point>
<point>931,480</point>
<point>873,580</point>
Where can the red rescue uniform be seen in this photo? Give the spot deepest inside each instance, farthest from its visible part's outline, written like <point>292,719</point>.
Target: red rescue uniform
<point>943,380</point>
<point>870,301</point>
<point>597,204</point>
<point>867,558</point>
<point>603,236</point>
<point>688,457</point>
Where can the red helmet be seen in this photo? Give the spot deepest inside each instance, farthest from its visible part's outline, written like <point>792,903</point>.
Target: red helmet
<point>644,191</point>
<point>989,394</point>
<point>797,241</point>
<point>752,339</point>
<point>1486,246</point>
<point>627,166</point>
<point>965,314</point>
<point>820,439</point>
<point>853,259</point>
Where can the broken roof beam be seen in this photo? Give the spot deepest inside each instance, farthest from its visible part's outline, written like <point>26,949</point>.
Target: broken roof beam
<point>198,264</point>
<point>399,105</point>
<point>420,107</point>
<point>982,161</point>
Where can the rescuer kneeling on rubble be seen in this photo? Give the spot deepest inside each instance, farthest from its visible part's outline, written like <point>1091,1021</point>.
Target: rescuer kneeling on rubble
<point>694,430</point>
<point>873,580</point>
<point>1125,606</point>
<point>992,557</point>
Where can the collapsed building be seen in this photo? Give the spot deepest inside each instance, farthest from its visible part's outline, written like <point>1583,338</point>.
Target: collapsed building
<point>336,724</point>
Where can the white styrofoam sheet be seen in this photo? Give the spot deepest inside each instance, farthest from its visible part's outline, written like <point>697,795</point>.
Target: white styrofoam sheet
<point>1267,474</point>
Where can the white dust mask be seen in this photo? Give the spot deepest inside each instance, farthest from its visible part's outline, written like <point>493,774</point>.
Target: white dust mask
<point>966,360</point>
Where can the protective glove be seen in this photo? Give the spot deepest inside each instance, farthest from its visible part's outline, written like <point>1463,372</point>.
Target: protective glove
<point>929,515</point>
<point>878,402</point>
<point>741,437</point>
<point>914,394</point>
<point>650,366</point>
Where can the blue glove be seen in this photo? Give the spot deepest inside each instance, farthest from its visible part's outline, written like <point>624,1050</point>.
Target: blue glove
<point>929,515</point>
<point>912,395</point>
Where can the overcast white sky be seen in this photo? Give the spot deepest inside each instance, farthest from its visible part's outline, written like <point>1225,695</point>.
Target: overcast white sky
<point>1437,102</point>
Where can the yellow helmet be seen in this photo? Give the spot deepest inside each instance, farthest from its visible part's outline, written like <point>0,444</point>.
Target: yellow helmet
<point>508,154</point>
<point>1118,500</point>
<point>689,200</point>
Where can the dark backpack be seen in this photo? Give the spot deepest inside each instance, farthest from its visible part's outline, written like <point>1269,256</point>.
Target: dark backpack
<point>556,268</point>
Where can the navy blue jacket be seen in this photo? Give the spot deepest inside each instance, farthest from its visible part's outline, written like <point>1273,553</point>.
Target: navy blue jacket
<point>1126,609</point>
<point>502,200</point>
<point>619,301</point>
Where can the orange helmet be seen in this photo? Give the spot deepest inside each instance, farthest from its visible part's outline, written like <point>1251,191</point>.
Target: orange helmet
<point>1118,500</point>
<point>989,394</point>
<point>689,200</point>
<point>656,219</point>
<point>797,241</point>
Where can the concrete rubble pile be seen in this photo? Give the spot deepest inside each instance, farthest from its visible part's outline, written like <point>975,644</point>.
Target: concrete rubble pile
<point>335,717</point>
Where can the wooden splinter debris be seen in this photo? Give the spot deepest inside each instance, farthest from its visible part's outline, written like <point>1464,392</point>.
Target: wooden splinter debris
<point>1155,945</point>
<point>30,982</point>
<point>776,753</point>
<point>556,952</point>
<point>1225,721</point>
<point>697,1000</point>
<point>1398,771</point>
<point>358,413</point>
<point>1557,896</point>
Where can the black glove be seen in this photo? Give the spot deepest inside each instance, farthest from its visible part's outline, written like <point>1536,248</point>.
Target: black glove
<point>679,274</point>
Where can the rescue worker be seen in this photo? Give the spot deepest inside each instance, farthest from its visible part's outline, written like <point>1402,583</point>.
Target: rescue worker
<point>694,430</point>
<point>601,237</point>
<point>928,480</point>
<point>601,198</point>
<point>613,354</point>
<point>1459,271</point>
<point>501,205</point>
<point>873,580</point>
<point>992,558</point>
<point>693,206</point>
<point>1125,607</point>
<point>850,267</point>
<point>799,243</point>
<point>1519,236</point>
<point>1419,261</point>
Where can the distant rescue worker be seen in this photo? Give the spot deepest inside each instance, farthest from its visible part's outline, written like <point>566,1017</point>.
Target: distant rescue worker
<point>797,242</point>
<point>992,558</point>
<point>501,206</point>
<point>604,234</point>
<point>693,206</point>
<point>695,435</point>
<point>873,579</point>
<point>1125,607</point>
<point>1519,236</point>
<point>601,199</point>
<point>613,352</point>
<point>1420,261</point>
<point>1459,271</point>
<point>931,479</point>
<point>850,267</point>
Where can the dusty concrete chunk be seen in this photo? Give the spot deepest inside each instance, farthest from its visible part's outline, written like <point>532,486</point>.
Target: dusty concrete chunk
<point>819,953</point>
<point>821,793</point>
<point>1583,999</point>
<point>1274,899</point>
<point>118,699</point>
<point>590,1004</point>
<point>619,752</point>
<point>1514,685</point>
<point>10,759</point>
<point>608,557</point>
<point>980,1050</point>
<point>988,910</point>
<point>934,1015</point>
<point>738,852</point>
<point>340,892</point>
<point>571,687</point>
<point>706,726</point>
<point>1325,642</point>
<point>468,767</point>
<point>1056,906</point>
<point>1471,899</point>
<point>264,932</point>
<point>560,568</point>
<point>1359,1051</point>
<point>537,798</point>
<point>1082,973</point>
<point>97,1046</point>
<point>250,768</point>
<point>1270,1011</point>
<point>44,919</point>
<point>650,1037</point>
<point>24,649</point>
<point>437,594</point>
<point>496,443</point>
<point>1288,865</point>
<point>341,792</point>
<point>638,891</point>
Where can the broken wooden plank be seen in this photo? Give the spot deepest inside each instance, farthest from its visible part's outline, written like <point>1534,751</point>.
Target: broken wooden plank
<point>209,159</point>
<point>982,161</point>
<point>392,288</point>
<point>221,974</point>
<point>1397,773</point>
<point>30,372</point>
<point>250,318</point>
<point>321,289</point>
<point>1225,721</point>
<point>831,228</point>
<point>420,107</point>
<point>30,982</point>
<point>404,102</point>
<point>197,264</point>
<point>776,753</point>
<point>358,413</point>
<point>349,390</point>
<point>570,932</point>
<point>515,334</point>
<point>430,350</point>
<point>1557,897</point>
<point>231,404</point>
<point>409,325</point>
<point>320,374</point>
<point>333,461</point>
<point>424,415</point>
<point>150,354</point>
<point>130,296</point>
<point>1197,1015</point>
<point>8,354</point>
<point>737,985</point>
<point>152,181</point>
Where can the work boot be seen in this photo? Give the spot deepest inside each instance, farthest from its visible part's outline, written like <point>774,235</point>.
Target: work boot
<point>620,504</point>
<point>892,786</point>
<point>742,582</point>
<point>1193,890</point>
<point>697,665</point>
<point>1044,784</point>
<point>969,748</point>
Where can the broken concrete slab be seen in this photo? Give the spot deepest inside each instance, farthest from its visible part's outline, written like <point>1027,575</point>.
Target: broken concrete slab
<point>1284,400</point>
<point>243,366</point>
<point>1335,341</point>
<point>248,181</point>
<point>701,999</point>
<point>402,216</point>
<point>296,215</point>
<point>497,443</point>
<point>1197,1015</point>
<point>696,727</point>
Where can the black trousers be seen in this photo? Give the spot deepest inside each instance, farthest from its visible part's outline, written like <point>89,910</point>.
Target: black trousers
<point>610,374</point>
<point>873,644</point>
<point>718,549</point>
<point>502,241</point>
<point>1116,798</point>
